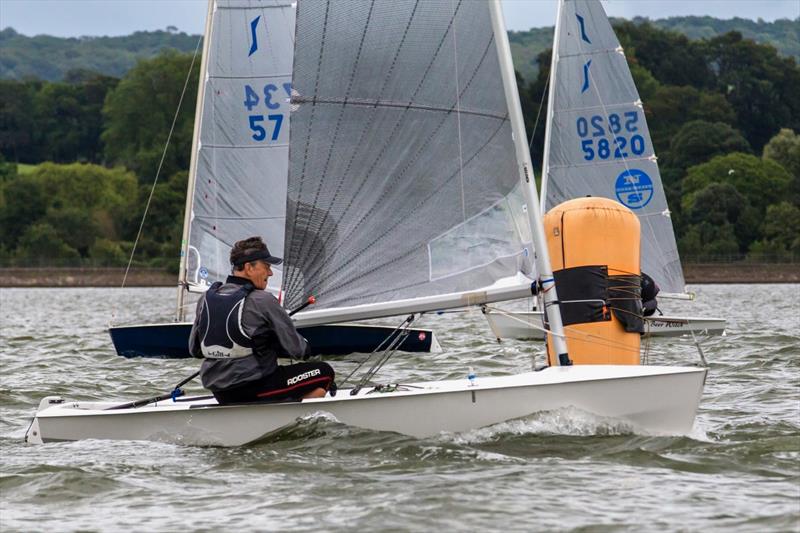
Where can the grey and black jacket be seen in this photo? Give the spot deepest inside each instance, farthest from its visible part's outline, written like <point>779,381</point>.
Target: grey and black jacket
<point>268,333</point>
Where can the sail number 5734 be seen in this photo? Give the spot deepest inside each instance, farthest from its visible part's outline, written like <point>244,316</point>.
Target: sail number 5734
<point>622,129</point>
<point>269,124</point>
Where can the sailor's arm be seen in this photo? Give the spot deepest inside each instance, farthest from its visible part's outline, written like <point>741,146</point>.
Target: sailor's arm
<point>291,343</point>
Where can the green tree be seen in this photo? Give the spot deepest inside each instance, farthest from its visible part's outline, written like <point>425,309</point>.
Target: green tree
<point>784,149</point>
<point>25,202</point>
<point>41,245</point>
<point>698,141</point>
<point>759,84</point>
<point>781,232</point>
<point>762,182</point>
<point>74,226</point>
<point>79,202</point>
<point>17,126</point>
<point>105,252</point>
<point>671,57</point>
<point>706,239</point>
<point>139,112</point>
<point>671,107</point>
<point>162,229</point>
<point>721,206</point>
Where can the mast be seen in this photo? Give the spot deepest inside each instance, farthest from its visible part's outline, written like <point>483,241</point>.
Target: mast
<point>549,120</point>
<point>187,216</point>
<point>541,254</point>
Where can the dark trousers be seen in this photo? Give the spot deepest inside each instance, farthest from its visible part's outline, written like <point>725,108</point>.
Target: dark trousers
<point>288,382</point>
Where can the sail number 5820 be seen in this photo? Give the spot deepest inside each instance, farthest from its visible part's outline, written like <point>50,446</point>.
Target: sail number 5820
<point>623,132</point>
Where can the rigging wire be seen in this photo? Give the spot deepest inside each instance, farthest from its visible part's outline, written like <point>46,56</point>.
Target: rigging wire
<point>538,113</point>
<point>392,343</point>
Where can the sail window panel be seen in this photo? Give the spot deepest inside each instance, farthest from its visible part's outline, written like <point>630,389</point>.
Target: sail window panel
<point>250,39</point>
<point>390,148</point>
<point>209,252</point>
<point>476,242</point>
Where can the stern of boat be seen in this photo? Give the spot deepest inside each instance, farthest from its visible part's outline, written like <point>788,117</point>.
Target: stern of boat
<point>34,433</point>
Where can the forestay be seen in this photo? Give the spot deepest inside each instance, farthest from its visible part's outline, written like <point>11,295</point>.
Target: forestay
<point>598,142</point>
<point>402,176</point>
<point>241,150</point>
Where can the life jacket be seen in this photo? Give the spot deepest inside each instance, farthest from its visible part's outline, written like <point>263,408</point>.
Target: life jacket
<point>224,337</point>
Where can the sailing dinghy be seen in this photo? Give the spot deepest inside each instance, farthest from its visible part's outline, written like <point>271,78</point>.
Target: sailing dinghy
<point>415,103</point>
<point>604,151</point>
<point>237,177</point>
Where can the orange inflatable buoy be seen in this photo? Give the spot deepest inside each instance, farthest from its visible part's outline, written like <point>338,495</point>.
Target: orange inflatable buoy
<point>594,246</point>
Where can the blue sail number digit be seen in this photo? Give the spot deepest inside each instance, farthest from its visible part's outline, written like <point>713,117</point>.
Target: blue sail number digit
<point>632,118</point>
<point>250,98</point>
<point>260,133</point>
<point>268,90</point>
<point>278,120</point>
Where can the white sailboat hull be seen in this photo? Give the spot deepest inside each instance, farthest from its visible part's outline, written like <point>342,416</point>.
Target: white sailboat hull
<point>528,325</point>
<point>652,399</point>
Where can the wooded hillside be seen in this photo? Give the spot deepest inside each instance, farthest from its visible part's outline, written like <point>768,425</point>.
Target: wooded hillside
<point>80,155</point>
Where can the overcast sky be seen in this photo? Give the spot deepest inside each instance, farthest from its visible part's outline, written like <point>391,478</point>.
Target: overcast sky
<point>72,18</point>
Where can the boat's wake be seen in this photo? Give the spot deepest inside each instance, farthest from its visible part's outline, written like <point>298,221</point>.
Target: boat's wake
<point>568,422</point>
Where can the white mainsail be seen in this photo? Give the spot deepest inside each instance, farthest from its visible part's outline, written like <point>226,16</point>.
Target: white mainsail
<point>597,141</point>
<point>241,149</point>
<point>402,173</point>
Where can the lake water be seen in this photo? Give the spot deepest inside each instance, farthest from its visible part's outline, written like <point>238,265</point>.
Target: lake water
<point>739,469</point>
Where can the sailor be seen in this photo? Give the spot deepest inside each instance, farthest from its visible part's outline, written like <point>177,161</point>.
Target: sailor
<point>649,292</point>
<point>240,330</point>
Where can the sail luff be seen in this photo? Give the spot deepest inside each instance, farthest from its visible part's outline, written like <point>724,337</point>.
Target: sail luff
<point>525,167</point>
<point>190,185</point>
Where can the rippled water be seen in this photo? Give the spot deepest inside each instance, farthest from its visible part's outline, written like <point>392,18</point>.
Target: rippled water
<point>739,469</point>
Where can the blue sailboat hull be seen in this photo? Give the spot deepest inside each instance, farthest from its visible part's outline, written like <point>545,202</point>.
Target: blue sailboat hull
<point>171,340</point>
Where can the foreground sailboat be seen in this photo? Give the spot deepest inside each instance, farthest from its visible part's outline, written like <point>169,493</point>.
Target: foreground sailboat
<point>238,175</point>
<point>420,81</point>
<point>606,152</point>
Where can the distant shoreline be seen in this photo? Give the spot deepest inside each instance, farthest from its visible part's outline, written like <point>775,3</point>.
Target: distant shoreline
<point>700,273</point>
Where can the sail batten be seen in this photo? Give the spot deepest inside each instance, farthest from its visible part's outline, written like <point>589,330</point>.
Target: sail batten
<point>400,134</point>
<point>598,142</point>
